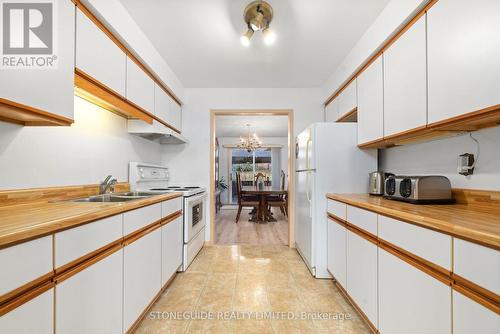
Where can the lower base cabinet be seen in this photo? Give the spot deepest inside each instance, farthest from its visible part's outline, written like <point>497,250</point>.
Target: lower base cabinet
<point>411,301</point>
<point>171,249</point>
<point>471,317</point>
<point>36,316</point>
<point>337,235</point>
<point>142,275</point>
<point>91,301</point>
<point>362,275</point>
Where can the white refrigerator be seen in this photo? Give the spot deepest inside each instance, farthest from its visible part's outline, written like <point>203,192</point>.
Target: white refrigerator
<point>328,160</point>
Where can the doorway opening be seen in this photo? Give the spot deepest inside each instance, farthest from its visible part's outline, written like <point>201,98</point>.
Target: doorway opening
<point>252,188</point>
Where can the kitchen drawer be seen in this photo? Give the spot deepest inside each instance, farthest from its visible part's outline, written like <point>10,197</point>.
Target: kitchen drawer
<point>338,209</point>
<point>471,317</point>
<point>139,218</point>
<point>427,244</point>
<point>171,206</point>
<point>80,241</point>
<point>34,316</point>
<point>365,220</point>
<point>24,263</point>
<point>478,264</point>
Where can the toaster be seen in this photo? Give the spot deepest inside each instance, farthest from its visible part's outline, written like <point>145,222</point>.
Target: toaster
<point>432,189</point>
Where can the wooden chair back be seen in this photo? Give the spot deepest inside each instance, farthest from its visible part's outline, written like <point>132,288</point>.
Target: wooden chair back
<point>258,176</point>
<point>238,186</point>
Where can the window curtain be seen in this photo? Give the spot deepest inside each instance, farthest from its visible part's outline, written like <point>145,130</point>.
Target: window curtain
<point>276,166</point>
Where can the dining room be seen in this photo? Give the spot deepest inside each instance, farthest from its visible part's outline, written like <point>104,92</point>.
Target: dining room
<point>251,167</point>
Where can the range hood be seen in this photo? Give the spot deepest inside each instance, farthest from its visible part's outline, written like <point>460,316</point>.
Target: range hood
<point>155,132</point>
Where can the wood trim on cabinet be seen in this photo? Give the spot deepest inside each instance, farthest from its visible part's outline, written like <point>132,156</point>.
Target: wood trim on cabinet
<point>336,219</point>
<point>473,287</point>
<point>363,234</point>
<point>171,217</point>
<point>126,50</point>
<point>349,116</point>
<point>488,303</point>
<point>75,270</point>
<point>7,297</point>
<point>22,299</point>
<point>22,114</point>
<point>356,307</point>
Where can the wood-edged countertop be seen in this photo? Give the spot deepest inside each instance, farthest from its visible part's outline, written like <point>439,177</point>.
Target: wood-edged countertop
<point>19,223</point>
<point>478,224</point>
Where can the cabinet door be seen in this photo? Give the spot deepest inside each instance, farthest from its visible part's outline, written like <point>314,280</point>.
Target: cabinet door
<point>463,57</point>
<point>140,87</point>
<point>337,235</point>
<point>348,99</point>
<point>162,104</point>
<point>175,118</point>
<point>410,301</point>
<point>405,81</point>
<point>51,89</point>
<point>98,56</point>
<point>471,317</point>
<point>362,275</point>
<point>171,249</point>
<point>35,316</point>
<point>91,301</point>
<point>141,275</point>
<point>332,111</point>
<point>371,103</point>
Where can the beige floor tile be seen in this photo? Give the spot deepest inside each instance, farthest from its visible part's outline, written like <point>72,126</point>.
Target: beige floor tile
<point>189,281</point>
<point>210,327</point>
<point>251,301</point>
<point>253,326</point>
<point>286,300</point>
<point>221,281</point>
<point>341,326</point>
<point>177,301</point>
<point>254,265</point>
<point>162,326</point>
<point>293,327</point>
<point>280,281</point>
<point>219,300</point>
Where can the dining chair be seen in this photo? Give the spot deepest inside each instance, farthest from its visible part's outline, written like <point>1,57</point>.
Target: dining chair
<point>243,200</point>
<point>280,201</point>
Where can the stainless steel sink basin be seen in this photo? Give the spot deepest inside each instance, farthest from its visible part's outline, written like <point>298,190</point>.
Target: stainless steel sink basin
<point>135,194</point>
<point>108,198</point>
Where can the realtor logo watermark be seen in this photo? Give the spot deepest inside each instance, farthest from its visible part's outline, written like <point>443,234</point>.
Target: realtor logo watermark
<point>28,34</point>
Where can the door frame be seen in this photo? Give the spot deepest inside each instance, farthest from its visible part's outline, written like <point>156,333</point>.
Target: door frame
<point>291,162</point>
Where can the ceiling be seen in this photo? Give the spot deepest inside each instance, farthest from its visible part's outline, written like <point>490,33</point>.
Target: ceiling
<point>263,126</point>
<point>199,39</point>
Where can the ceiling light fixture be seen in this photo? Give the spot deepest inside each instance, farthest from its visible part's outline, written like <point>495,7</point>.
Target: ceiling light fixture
<point>258,15</point>
<point>250,143</point>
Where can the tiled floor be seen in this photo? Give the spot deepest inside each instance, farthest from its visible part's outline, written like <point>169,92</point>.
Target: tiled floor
<point>225,282</point>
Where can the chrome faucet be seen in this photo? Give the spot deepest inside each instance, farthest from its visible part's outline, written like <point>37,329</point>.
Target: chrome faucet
<point>108,183</point>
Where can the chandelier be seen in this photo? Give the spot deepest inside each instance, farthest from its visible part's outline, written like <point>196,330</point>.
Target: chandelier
<point>250,143</point>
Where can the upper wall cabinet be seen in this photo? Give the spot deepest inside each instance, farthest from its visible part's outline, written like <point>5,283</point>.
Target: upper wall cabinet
<point>167,109</point>
<point>371,103</point>
<point>140,87</point>
<point>463,57</point>
<point>348,99</point>
<point>42,96</point>
<point>98,56</point>
<point>332,110</point>
<point>175,119</point>
<point>405,82</point>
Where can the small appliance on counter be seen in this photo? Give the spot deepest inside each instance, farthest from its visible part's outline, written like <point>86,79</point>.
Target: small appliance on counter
<point>432,189</point>
<point>377,182</point>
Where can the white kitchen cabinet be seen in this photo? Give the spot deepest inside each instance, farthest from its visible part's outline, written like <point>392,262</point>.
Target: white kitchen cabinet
<point>337,236</point>
<point>338,209</point>
<point>175,118</point>
<point>82,240</point>
<point>471,317</point>
<point>24,263</point>
<point>171,249</point>
<point>405,81</point>
<point>140,87</point>
<point>411,301</point>
<point>48,89</point>
<point>430,245</point>
<point>348,99</point>
<point>371,103</point>
<point>478,264</point>
<point>35,316</point>
<point>98,56</point>
<point>463,57</point>
<point>332,111</point>
<point>364,219</point>
<point>171,206</point>
<point>141,274</point>
<point>162,104</point>
<point>91,300</point>
<point>362,275</point>
<point>140,218</point>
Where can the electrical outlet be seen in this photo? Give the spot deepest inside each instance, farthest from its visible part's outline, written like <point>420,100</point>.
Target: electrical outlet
<point>466,164</point>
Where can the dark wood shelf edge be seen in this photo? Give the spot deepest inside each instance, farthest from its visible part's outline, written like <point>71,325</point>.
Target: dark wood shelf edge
<point>21,114</point>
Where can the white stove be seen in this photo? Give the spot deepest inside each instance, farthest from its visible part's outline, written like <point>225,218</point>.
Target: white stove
<point>155,180</point>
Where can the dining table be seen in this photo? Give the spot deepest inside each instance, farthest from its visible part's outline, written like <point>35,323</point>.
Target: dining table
<point>263,214</point>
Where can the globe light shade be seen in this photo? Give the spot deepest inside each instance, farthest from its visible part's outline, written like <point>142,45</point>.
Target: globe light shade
<point>269,36</point>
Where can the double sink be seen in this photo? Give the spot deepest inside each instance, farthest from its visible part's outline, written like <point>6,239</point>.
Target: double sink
<point>115,197</point>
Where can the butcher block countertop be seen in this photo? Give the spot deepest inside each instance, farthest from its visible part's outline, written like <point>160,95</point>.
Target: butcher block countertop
<point>24,222</point>
<point>479,224</point>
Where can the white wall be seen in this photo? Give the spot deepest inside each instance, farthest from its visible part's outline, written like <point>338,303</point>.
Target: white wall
<point>440,157</point>
<point>191,163</point>
<point>96,145</point>
<point>394,16</point>
<point>225,159</point>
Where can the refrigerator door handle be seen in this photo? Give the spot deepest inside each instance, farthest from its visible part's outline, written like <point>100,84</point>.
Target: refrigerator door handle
<point>309,141</point>
<point>308,187</point>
